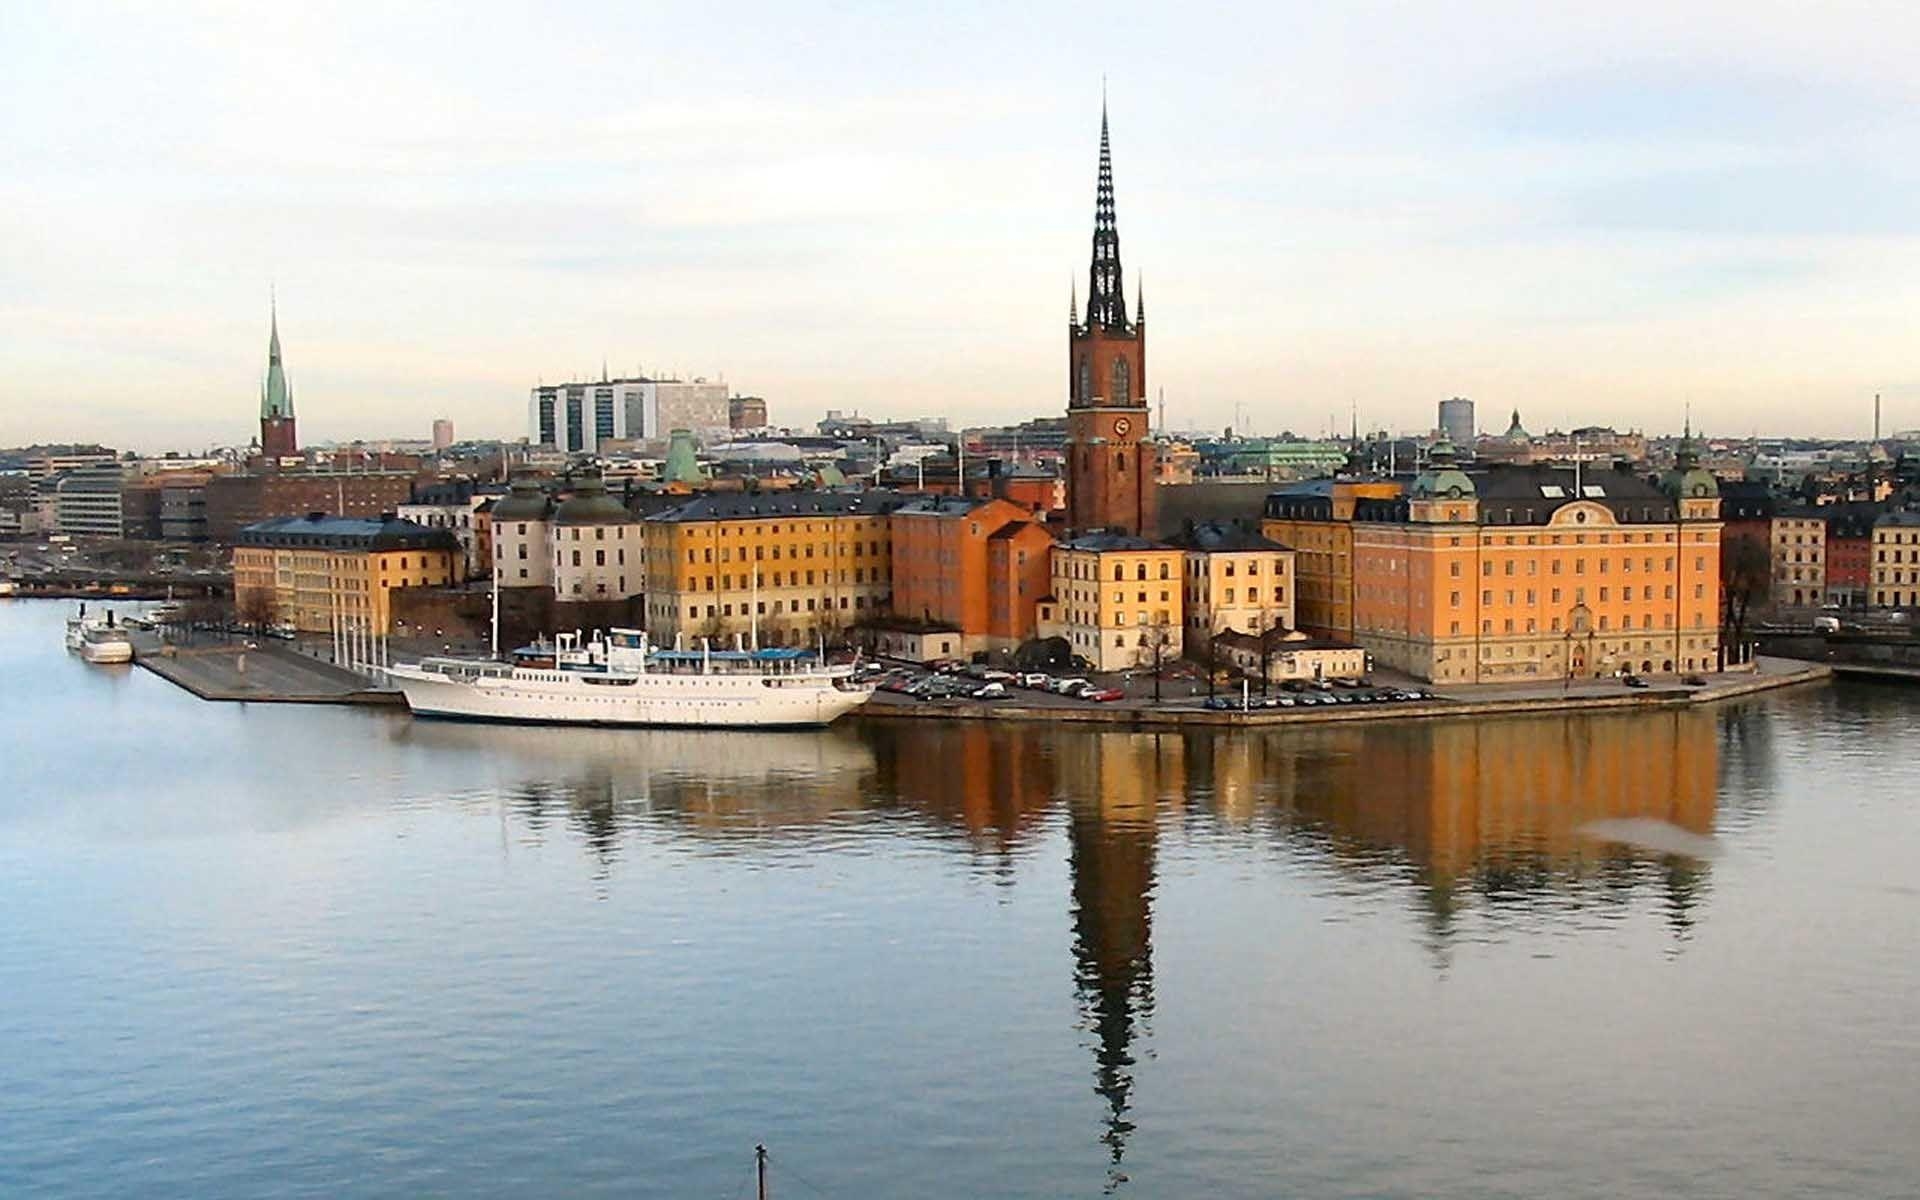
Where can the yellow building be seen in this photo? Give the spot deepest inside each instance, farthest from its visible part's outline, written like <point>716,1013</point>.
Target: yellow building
<point>307,572</point>
<point>1514,572</point>
<point>1233,579</point>
<point>1315,520</point>
<point>784,568</point>
<point>1116,600</point>
<point>1896,561</point>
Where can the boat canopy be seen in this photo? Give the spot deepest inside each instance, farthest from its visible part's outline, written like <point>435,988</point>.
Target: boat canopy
<point>770,654</point>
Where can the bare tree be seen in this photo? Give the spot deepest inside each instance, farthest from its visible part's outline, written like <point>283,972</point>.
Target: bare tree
<point>1746,577</point>
<point>1155,641</point>
<point>258,610</point>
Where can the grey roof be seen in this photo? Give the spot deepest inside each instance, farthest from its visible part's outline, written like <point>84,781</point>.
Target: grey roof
<point>591,505</point>
<point>346,533</point>
<point>739,506</point>
<point>1103,543</point>
<point>1899,517</point>
<point>941,506</point>
<point>1215,537</point>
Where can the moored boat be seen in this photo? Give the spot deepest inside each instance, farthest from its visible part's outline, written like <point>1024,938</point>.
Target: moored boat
<point>620,680</point>
<point>98,640</point>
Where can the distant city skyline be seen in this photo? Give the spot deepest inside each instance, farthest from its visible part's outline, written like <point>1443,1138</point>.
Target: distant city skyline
<point>1595,218</point>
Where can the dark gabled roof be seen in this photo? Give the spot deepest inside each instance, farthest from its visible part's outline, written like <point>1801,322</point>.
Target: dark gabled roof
<point>346,533</point>
<point>1221,537</point>
<point>1106,543</point>
<point>1530,495</point>
<point>1853,520</point>
<point>747,506</point>
<point>1899,517</point>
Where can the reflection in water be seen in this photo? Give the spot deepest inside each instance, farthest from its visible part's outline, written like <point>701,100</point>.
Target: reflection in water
<point>1514,820</point>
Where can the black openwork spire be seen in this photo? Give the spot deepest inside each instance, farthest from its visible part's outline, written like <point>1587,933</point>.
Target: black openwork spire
<point>1106,293</point>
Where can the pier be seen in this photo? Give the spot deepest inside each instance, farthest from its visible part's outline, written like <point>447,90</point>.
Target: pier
<point>261,673</point>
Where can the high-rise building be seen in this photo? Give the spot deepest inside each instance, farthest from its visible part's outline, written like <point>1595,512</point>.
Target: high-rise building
<point>575,418</point>
<point>1456,422</point>
<point>1110,462</point>
<point>442,433</point>
<point>277,438</point>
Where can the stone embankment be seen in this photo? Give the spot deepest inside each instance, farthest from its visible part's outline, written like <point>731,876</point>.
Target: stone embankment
<point>1462,704</point>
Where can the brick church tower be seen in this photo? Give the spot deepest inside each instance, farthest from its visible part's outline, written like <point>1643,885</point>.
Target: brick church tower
<point>1110,462</point>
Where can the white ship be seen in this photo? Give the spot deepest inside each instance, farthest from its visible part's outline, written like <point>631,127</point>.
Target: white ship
<point>97,640</point>
<point>619,680</point>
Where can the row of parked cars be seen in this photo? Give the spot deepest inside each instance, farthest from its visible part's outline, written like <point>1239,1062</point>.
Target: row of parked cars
<point>957,681</point>
<point>1318,693</point>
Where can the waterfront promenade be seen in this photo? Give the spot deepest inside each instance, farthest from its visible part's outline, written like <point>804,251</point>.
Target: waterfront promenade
<point>259,673</point>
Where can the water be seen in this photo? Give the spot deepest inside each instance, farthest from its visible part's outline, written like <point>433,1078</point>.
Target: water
<point>278,951</point>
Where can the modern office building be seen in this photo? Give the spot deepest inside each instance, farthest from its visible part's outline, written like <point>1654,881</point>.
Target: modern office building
<point>577,418</point>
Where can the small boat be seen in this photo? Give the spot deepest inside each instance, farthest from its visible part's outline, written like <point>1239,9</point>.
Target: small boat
<point>8,588</point>
<point>98,640</point>
<point>620,680</point>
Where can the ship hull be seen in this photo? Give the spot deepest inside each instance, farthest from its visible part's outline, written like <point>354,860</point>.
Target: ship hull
<point>646,701</point>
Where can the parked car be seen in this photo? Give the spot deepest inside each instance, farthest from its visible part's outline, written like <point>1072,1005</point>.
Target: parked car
<point>1633,681</point>
<point>1295,685</point>
<point>1069,687</point>
<point>1693,681</point>
<point>1036,679</point>
<point>1222,703</point>
<point>1103,695</point>
<point>990,691</point>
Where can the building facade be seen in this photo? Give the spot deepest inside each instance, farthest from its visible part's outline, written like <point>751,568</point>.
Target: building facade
<point>597,551</point>
<point>1289,655</point>
<point>577,418</point>
<point>1315,520</point>
<point>1518,572</point>
<point>1850,553</point>
<point>977,567</point>
<point>87,502</point>
<point>233,502</point>
<point>452,506</point>
<point>308,573</point>
<point>1116,600</point>
<point>1896,560</point>
<point>784,569</point>
<point>1233,579</point>
<point>1456,423</point>
<point>746,412</point>
<point>1798,552</point>
<point>1111,473</point>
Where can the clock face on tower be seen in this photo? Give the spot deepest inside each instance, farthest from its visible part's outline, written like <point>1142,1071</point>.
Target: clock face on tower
<point>1122,427</point>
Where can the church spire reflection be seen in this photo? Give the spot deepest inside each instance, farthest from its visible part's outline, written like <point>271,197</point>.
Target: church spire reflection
<point>1114,784</point>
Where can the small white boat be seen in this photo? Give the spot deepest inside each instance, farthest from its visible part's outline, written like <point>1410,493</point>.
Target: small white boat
<point>8,588</point>
<point>98,640</point>
<point>621,681</point>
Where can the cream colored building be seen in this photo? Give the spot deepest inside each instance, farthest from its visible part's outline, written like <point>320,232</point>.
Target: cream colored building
<point>1799,556</point>
<point>1233,579</point>
<point>1291,655</point>
<point>1896,561</point>
<point>308,572</point>
<point>596,546</point>
<point>1117,600</point>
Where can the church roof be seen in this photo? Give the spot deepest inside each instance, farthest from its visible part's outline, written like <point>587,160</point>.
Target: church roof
<point>276,394</point>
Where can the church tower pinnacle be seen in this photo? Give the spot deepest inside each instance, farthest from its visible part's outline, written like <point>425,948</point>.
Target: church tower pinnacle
<point>277,436</point>
<point>1110,467</point>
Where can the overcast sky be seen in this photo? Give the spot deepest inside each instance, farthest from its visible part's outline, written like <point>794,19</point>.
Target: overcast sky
<point>1593,213</point>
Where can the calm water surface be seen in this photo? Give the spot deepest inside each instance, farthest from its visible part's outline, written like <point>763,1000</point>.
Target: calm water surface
<point>266,951</point>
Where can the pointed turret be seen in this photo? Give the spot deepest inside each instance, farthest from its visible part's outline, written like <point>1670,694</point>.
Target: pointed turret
<point>277,438</point>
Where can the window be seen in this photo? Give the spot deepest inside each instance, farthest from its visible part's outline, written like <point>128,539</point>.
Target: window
<point>1122,380</point>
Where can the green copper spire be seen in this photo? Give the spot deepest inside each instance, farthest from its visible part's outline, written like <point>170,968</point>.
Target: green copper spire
<point>276,396</point>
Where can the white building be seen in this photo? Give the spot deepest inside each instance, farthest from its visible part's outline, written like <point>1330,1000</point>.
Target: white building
<point>87,502</point>
<point>451,506</point>
<point>577,418</point>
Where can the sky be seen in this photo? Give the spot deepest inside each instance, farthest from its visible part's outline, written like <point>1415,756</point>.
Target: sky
<point>1594,214</point>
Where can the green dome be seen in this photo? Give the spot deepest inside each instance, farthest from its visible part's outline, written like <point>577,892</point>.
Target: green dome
<point>590,505</point>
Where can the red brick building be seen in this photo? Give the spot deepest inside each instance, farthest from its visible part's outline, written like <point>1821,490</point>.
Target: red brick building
<point>1110,462</point>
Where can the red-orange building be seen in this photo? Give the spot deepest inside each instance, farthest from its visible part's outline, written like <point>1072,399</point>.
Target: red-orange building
<point>973,566</point>
<point>1110,461</point>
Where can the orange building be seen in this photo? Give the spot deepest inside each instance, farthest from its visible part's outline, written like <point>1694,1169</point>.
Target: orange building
<point>1316,520</point>
<point>1518,572</point>
<point>975,566</point>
